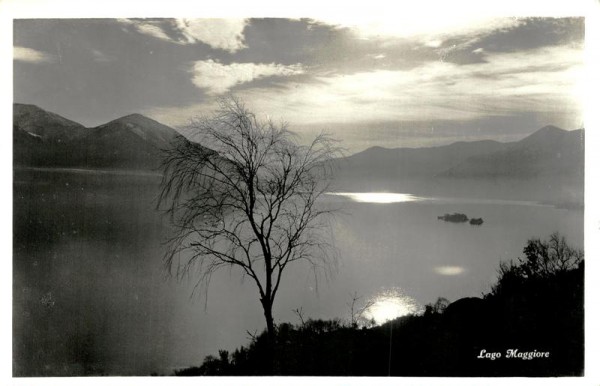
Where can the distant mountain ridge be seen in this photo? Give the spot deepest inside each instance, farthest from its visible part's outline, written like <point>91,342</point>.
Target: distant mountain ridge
<point>548,151</point>
<point>556,156</point>
<point>412,162</point>
<point>546,166</point>
<point>45,139</point>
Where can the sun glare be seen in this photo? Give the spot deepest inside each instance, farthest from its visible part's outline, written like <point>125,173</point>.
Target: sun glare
<point>391,304</point>
<point>449,270</point>
<point>380,198</point>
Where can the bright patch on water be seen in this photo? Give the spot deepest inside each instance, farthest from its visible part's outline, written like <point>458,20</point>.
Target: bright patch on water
<point>391,304</point>
<point>449,270</point>
<point>379,198</point>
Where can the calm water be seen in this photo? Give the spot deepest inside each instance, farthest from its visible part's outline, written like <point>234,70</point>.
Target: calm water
<point>90,295</point>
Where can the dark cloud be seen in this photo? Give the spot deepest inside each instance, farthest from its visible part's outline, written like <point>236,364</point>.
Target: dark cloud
<point>287,41</point>
<point>324,48</point>
<point>530,34</point>
<point>535,33</point>
<point>144,71</point>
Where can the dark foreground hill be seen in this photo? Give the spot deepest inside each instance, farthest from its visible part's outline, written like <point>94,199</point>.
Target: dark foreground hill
<point>529,324</point>
<point>43,139</point>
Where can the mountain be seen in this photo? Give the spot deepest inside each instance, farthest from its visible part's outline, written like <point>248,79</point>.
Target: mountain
<point>39,135</point>
<point>549,151</point>
<point>45,139</point>
<point>546,166</point>
<point>378,162</point>
<point>50,127</point>
<point>133,142</point>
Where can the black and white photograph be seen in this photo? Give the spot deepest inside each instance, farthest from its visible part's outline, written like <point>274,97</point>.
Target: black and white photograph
<point>393,196</point>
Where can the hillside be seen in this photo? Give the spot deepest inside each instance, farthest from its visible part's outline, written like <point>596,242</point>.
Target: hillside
<point>531,321</point>
<point>546,166</point>
<point>133,141</point>
<point>50,127</point>
<point>412,162</point>
<point>549,151</point>
<point>44,139</point>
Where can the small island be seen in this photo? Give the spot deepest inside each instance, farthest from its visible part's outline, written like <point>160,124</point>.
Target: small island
<point>455,217</point>
<point>460,218</point>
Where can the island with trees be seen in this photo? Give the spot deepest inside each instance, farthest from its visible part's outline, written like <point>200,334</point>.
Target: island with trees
<point>460,218</point>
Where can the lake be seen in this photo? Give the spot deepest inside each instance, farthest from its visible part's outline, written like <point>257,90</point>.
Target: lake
<point>90,295</point>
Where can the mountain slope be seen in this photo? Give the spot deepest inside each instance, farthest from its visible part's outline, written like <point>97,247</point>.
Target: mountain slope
<point>412,162</point>
<point>547,166</point>
<point>133,141</point>
<point>45,139</point>
<point>48,126</point>
<point>549,151</point>
<point>40,137</point>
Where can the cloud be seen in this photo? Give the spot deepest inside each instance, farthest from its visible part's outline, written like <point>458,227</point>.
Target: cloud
<point>154,30</point>
<point>432,30</point>
<point>149,27</point>
<point>223,34</point>
<point>218,78</point>
<point>544,80</point>
<point>540,80</point>
<point>101,57</point>
<point>30,55</point>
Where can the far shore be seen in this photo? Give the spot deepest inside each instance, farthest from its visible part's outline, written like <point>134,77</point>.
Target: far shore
<point>121,172</point>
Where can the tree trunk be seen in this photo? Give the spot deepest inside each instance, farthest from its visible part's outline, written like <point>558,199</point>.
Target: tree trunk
<point>270,349</point>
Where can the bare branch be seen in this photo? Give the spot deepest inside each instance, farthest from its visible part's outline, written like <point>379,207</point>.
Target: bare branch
<point>246,195</point>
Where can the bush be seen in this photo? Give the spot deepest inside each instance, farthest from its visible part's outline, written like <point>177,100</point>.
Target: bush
<point>543,259</point>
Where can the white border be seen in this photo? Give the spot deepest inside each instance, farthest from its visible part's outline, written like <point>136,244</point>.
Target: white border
<point>11,9</point>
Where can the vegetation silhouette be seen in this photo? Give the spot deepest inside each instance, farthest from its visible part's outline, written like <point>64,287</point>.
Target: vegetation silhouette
<point>536,306</point>
<point>246,198</point>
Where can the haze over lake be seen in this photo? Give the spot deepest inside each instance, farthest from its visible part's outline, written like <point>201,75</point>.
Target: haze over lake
<point>91,297</point>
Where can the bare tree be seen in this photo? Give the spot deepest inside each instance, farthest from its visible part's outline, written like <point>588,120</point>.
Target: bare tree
<point>249,199</point>
<point>300,314</point>
<point>357,312</point>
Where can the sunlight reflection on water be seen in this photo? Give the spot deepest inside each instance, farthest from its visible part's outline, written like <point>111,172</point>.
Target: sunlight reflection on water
<point>380,198</point>
<point>391,303</point>
<point>449,270</point>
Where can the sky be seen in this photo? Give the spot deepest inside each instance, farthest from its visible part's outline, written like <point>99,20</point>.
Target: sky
<point>413,82</point>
